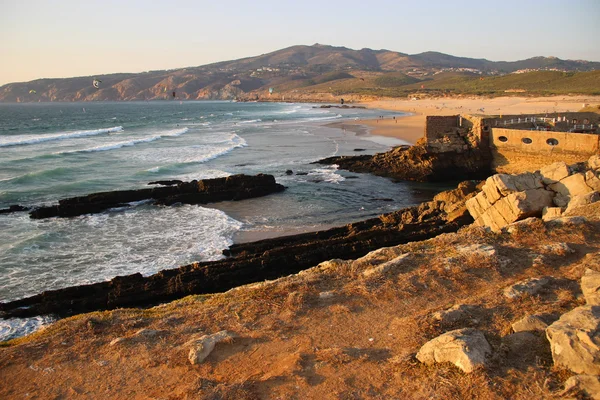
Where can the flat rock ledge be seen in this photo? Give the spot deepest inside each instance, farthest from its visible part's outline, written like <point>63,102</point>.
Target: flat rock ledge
<point>258,261</point>
<point>234,187</point>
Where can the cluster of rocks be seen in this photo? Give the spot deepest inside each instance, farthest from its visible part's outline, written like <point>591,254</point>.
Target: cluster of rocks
<point>418,163</point>
<point>234,187</point>
<point>256,261</point>
<point>574,337</point>
<point>547,193</point>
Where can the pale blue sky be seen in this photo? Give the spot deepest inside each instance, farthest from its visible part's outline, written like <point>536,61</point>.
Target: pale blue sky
<point>52,38</point>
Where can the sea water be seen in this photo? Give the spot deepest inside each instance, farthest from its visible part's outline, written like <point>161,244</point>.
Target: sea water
<point>57,150</point>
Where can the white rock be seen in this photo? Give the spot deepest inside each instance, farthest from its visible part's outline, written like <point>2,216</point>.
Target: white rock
<point>466,348</point>
<point>554,172</point>
<point>202,347</point>
<point>572,185</point>
<point>575,340</point>
<point>530,286</point>
<point>387,266</point>
<point>530,323</point>
<point>594,162</point>
<point>586,385</point>
<point>549,213</point>
<point>582,200</point>
<point>590,286</point>
<point>592,180</point>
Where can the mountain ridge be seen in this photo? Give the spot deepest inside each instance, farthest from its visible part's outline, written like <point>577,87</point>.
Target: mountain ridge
<point>292,69</point>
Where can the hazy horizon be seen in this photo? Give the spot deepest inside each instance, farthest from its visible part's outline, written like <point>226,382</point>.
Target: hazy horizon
<point>69,38</point>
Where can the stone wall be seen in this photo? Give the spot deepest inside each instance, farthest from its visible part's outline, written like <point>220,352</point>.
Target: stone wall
<point>514,147</point>
<point>436,127</point>
<point>515,150</point>
<point>456,133</point>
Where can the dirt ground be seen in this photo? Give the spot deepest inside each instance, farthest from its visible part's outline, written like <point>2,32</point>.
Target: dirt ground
<point>331,332</point>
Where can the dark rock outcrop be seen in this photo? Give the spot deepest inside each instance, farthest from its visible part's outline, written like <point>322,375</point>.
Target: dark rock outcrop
<point>170,182</point>
<point>415,163</point>
<point>234,187</point>
<point>13,208</point>
<point>257,261</point>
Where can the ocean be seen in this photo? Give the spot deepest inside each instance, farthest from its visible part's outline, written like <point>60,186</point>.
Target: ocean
<point>50,151</point>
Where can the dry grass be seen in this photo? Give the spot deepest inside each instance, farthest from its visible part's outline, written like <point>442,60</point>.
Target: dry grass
<point>327,333</point>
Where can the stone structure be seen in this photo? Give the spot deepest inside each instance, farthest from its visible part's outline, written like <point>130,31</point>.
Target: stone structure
<point>547,193</point>
<point>516,143</point>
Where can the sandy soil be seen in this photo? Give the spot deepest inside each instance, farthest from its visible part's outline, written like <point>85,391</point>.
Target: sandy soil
<point>411,128</point>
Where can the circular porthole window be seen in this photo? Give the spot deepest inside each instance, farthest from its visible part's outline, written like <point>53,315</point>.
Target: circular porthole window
<point>526,140</point>
<point>552,142</point>
<point>503,139</point>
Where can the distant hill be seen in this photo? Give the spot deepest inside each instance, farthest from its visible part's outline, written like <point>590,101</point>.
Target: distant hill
<point>299,71</point>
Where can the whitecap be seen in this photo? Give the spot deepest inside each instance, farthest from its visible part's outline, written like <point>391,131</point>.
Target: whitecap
<point>34,139</point>
<point>327,174</point>
<point>16,327</point>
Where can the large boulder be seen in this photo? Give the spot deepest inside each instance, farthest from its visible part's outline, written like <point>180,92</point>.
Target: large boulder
<point>505,199</point>
<point>590,286</point>
<point>554,172</point>
<point>466,348</point>
<point>575,340</point>
<point>594,162</point>
<point>572,185</point>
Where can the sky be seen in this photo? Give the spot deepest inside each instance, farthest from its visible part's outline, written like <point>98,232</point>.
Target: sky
<point>55,39</point>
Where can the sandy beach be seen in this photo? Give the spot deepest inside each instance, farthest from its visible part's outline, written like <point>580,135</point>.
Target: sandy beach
<point>411,128</point>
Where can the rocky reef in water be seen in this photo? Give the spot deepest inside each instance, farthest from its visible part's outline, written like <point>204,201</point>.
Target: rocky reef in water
<point>416,163</point>
<point>234,187</point>
<point>257,261</point>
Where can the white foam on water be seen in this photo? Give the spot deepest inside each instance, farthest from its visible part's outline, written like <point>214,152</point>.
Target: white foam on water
<point>327,174</point>
<point>203,174</point>
<point>34,139</point>
<point>128,143</point>
<point>17,327</point>
<point>194,154</point>
<point>250,121</point>
<point>93,248</point>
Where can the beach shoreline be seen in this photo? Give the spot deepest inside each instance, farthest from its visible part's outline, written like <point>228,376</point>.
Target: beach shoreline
<point>411,127</point>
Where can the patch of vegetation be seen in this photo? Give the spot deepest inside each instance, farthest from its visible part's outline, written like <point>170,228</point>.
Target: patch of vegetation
<point>331,76</point>
<point>393,80</point>
<point>531,83</point>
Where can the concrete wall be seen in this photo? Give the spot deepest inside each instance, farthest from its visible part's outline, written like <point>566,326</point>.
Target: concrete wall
<point>511,154</point>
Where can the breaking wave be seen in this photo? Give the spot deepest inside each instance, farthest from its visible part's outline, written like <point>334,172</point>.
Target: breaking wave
<point>34,139</point>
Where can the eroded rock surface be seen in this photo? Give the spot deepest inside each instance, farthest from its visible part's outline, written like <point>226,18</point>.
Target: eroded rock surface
<point>234,187</point>
<point>575,340</point>
<point>466,348</point>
